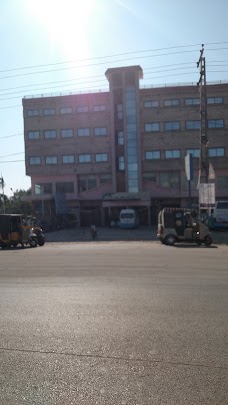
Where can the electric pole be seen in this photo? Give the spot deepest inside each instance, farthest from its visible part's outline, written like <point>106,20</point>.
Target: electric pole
<point>204,162</point>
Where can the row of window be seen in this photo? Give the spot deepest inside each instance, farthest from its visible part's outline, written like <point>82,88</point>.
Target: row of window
<point>103,107</point>
<point>148,127</point>
<point>69,159</point>
<point>189,125</point>
<point>103,157</point>
<point>176,153</point>
<point>85,182</point>
<point>176,102</point>
<point>88,182</point>
<point>65,110</point>
<point>67,133</point>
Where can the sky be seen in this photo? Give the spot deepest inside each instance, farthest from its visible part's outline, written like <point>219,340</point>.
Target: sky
<point>53,46</point>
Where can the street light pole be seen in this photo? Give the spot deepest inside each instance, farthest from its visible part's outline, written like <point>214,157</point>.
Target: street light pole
<point>2,183</point>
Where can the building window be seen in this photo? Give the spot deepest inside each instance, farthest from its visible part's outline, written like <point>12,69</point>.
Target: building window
<point>121,163</point>
<point>66,110</point>
<point>32,113</point>
<point>68,159</point>
<point>91,182</point>
<point>51,160</point>
<point>170,180</point>
<point>216,152</point>
<point>83,109</point>
<point>83,131</point>
<point>120,137</point>
<point>150,177</point>
<point>172,126</point>
<point>49,111</point>
<point>100,131</point>
<point>172,154</point>
<point>86,183</point>
<point>35,160</point>
<point>49,134</point>
<point>33,135</point>
<point>153,155</point>
<point>215,100</point>
<point>66,133</point>
<point>85,158</point>
<point>219,123</point>
<point>101,107</point>
<point>222,182</point>
<point>105,178</point>
<point>171,102</point>
<point>101,157</point>
<point>192,124</point>
<point>152,127</point>
<point>192,101</point>
<point>120,111</point>
<point>194,183</point>
<point>43,188</point>
<point>151,104</point>
<point>65,187</point>
<point>194,152</point>
<point>82,184</point>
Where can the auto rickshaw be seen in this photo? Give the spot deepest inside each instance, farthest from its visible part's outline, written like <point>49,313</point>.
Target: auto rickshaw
<point>182,225</point>
<point>14,230</point>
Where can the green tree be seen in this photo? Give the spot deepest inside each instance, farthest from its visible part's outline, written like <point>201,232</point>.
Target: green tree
<point>17,204</point>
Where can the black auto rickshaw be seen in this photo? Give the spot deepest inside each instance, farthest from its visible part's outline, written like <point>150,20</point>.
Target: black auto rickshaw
<point>182,225</point>
<point>14,230</point>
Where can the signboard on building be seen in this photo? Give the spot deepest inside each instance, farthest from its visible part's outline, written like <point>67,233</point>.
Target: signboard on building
<point>189,167</point>
<point>207,195</point>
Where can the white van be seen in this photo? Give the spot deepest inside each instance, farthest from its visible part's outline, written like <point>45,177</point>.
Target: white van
<point>128,219</point>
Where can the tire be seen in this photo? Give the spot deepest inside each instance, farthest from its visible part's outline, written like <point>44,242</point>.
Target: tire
<point>208,240</point>
<point>41,241</point>
<point>33,242</point>
<point>14,244</point>
<point>199,242</point>
<point>170,239</point>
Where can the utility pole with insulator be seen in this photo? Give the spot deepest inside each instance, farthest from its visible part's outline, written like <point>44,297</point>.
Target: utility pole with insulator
<point>202,84</point>
<point>206,183</point>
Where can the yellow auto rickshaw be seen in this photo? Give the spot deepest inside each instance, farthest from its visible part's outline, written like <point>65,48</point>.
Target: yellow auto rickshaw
<point>14,230</point>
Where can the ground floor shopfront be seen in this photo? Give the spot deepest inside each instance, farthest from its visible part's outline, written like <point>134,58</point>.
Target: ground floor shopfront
<point>102,211</point>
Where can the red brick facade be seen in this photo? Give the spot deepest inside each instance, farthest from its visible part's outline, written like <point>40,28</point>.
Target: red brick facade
<point>158,126</point>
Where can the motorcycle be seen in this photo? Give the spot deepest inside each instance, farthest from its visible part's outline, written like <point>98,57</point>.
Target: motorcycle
<point>40,236</point>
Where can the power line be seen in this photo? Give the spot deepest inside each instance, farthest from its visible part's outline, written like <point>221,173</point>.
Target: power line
<point>97,64</point>
<point>11,106</point>
<point>13,154</point>
<point>72,81</point>
<point>10,136</point>
<point>101,57</point>
<point>12,161</point>
<point>111,56</point>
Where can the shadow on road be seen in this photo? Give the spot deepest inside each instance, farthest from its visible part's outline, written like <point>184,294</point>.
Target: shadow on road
<point>188,245</point>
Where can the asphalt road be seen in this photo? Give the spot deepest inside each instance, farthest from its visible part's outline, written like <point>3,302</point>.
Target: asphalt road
<point>121,323</point>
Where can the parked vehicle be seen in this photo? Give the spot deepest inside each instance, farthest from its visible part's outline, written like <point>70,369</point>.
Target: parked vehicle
<point>218,219</point>
<point>14,230</point>
<point>128,219</point>
<point>182,225</point>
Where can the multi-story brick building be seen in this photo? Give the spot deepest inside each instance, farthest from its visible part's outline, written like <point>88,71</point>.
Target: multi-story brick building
<point>98,152</point>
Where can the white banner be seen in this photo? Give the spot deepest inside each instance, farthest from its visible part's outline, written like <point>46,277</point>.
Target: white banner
<point>206,194</point>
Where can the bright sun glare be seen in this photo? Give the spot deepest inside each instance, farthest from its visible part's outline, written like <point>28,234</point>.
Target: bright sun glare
<point>68,23</point>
